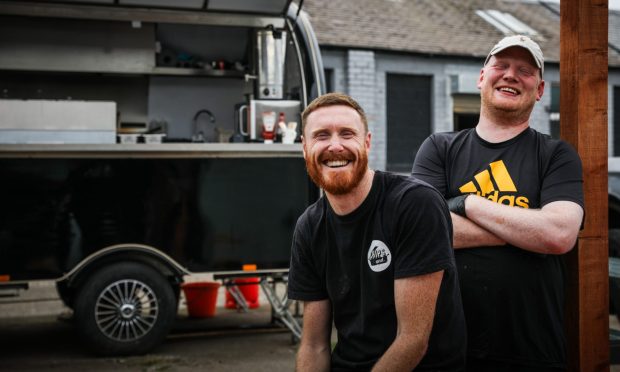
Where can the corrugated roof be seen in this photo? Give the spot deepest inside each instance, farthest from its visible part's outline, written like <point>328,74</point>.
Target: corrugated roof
<point>437,27</point>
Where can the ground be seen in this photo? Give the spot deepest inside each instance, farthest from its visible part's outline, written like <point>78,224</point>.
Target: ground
<point>33,337</point>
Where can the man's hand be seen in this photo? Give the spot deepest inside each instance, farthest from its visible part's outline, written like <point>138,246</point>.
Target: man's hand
<point>457,205</point>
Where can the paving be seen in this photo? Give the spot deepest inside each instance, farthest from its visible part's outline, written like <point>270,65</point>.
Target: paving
<point>35,335</point>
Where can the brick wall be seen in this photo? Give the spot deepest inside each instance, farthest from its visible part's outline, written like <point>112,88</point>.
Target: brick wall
<point>361,81</point>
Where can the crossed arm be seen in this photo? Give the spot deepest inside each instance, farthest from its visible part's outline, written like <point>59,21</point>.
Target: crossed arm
<point>553,229</point>
<point>415,300</point>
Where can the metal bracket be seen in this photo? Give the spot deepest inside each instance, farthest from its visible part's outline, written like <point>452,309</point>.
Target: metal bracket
<point>280,307</point>
<point>234,291</point>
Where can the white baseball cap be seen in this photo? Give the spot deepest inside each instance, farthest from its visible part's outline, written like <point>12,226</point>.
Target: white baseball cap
<point>523,42</point>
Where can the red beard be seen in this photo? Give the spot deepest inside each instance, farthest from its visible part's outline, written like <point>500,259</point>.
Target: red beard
<point>338,183</point>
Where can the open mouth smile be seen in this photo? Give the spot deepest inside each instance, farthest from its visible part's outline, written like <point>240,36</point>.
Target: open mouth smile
<point>336,163</point>
<point>511,91</point>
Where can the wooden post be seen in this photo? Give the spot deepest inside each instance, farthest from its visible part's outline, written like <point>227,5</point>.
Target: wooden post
<point>583,118</point>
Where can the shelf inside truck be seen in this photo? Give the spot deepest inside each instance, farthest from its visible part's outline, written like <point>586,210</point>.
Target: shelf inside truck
<point>141,150</point>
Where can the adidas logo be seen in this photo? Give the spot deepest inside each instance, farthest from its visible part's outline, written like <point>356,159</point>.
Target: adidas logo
<point>491,184</point>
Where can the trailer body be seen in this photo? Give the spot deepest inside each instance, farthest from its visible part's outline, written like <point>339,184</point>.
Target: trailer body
<point>135,149</point>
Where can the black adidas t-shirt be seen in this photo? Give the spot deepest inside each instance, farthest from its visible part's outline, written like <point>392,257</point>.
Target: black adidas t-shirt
<point>513,299</point>
<point>403,228</point>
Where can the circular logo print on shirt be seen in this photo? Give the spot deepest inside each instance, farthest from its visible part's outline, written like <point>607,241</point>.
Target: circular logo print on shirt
<point>379,256</point>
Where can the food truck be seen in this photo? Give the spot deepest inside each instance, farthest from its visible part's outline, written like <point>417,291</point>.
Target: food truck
<point>145,140</point>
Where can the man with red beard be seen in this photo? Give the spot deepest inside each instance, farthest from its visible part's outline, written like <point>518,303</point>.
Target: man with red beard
<point>373,255</point>
<point>517,205</point>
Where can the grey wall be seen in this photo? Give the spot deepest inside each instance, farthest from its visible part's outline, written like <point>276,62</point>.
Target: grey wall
<point>361,79</point>
<point>177,99</point>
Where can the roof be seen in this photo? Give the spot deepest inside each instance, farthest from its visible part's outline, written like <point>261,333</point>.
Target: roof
<point>438,27</point>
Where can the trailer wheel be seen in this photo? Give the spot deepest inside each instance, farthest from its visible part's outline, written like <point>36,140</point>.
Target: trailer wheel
<point>125,308</point>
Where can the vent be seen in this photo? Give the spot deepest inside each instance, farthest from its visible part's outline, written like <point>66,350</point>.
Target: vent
<point>464,83</point>
<point>506,22</point>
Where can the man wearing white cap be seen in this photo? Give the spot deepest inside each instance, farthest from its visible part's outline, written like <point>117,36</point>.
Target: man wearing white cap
<point>516,202</point>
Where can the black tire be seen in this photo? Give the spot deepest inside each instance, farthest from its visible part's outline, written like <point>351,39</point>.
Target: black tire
<point>125,309</point>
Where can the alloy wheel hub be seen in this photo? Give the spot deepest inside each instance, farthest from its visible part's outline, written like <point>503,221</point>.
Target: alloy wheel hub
<point>126,310</point>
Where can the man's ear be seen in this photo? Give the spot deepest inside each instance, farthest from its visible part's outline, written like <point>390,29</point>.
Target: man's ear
<point>541,90</point>
<point>480,78</point>
<point>303,145</point>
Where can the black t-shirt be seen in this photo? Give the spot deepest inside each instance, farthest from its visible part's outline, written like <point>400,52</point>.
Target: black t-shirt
<point>403,228</point>
<point>513,299</point>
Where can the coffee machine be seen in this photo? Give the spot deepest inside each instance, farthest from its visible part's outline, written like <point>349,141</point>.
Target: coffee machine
<point>270,57</point>
<point>250,116</point>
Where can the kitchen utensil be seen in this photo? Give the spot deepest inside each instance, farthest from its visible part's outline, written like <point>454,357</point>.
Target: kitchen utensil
<point>252,126</point>
<point>269,126</point>
<point>271,53</point>
<point>203,135</point>
<point>240,120</point>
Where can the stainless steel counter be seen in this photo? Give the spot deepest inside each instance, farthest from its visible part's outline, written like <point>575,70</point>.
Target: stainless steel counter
<point>141,150</point>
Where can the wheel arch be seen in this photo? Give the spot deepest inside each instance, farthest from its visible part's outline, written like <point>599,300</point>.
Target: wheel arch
<point>141,253</point>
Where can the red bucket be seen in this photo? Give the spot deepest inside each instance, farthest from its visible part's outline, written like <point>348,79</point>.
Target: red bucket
<point>201,298</point>
<point>249,288</point>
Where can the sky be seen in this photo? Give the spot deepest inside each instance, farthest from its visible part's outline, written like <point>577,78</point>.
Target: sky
<point>614,4</point>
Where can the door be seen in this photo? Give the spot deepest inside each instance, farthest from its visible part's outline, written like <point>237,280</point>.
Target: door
<point>408,118</point>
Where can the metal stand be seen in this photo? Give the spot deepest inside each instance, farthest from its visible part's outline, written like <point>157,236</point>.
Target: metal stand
<point>234,291</point>
<point>280,305</point>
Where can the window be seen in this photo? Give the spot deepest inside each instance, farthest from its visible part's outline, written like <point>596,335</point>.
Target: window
<point>466,110</point>
<point>506,22</point>
<point>616,137</point>
<point>329,80</point>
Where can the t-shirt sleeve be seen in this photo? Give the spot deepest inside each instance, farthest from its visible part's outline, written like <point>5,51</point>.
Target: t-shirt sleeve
<point>429,165</point>
<point>563,178</point>
<point>304,281</point>
<point>424,234</point>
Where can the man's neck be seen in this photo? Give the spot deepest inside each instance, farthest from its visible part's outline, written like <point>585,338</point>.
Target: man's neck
<point>496,131</point>
<point>347,203</point>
